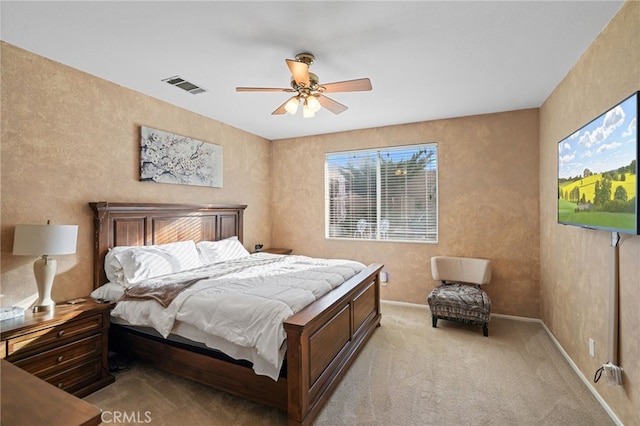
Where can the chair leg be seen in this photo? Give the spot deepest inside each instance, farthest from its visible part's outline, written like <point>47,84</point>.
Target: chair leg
<point>434,321</point>
<point>485,329</point>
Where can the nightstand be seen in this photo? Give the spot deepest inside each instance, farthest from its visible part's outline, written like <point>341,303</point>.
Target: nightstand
<point>277,250</point>
<point>67,347</point>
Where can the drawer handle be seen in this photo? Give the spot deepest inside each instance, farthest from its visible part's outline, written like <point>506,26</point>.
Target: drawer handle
<point>60,358</point>
<point>60,385</point>
<point>60,333</point>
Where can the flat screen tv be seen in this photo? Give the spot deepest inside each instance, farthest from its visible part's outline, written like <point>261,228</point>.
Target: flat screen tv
<point>598,172</point>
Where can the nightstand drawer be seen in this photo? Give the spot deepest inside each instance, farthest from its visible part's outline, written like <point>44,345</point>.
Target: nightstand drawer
<point>63,357</point>
<point>41,338</point>
<point>77,377</point>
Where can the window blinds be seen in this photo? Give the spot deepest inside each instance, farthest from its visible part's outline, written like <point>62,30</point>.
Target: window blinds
<point>382,194</point>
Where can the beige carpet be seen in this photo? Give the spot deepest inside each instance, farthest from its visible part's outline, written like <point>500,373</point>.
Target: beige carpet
<point>415,375</point>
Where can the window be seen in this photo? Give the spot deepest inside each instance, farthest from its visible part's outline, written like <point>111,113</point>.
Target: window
<point>387,194</point>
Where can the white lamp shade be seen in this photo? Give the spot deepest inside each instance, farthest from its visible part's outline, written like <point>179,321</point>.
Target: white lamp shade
<point>292,105</point>
<point>45,240</point>
<point>313,103</point>
<point>307,111</point>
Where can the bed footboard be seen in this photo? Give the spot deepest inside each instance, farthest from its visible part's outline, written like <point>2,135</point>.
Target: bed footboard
<point>324,339</point>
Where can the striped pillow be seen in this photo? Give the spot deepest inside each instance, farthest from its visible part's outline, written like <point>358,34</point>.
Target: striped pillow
<point>140,263</point>
<point>219,251</point>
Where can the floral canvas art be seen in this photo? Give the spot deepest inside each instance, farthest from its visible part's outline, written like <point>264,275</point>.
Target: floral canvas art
<point>170,158</point>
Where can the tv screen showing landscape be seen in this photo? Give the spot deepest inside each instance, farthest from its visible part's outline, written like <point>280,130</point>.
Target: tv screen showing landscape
<point>597,172</point>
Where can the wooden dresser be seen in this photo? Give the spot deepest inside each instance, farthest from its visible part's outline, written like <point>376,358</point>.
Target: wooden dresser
<point>67,347</point>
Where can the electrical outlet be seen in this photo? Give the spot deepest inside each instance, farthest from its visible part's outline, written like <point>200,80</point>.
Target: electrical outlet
<point>592,348</point>
<point>384,277</point>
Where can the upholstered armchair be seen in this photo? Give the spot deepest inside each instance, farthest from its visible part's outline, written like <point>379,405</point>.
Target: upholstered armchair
<point>460,296</point>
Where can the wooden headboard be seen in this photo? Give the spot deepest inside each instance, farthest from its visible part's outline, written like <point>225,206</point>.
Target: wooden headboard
<point>129,224</point>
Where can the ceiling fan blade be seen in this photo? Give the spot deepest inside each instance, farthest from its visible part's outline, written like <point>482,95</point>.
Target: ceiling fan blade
<point>299,71</point>
<point>358,85</point>
<point>263,89</point>
<point>280,110</point>
<point>331,105</point>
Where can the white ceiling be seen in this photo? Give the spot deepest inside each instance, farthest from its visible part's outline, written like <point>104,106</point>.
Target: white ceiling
<point>426,59</point>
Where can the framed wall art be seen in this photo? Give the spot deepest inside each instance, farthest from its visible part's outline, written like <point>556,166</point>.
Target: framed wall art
<point>169,158</point>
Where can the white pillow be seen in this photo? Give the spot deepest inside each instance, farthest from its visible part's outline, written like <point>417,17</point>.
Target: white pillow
<point>109,291</point>
<point>140,263</point>
<point>112,266</point>
<point>219,251</point>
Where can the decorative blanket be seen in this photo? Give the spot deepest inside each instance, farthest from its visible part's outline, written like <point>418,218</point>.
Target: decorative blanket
<point>245,301</point>
<point>162,294</point>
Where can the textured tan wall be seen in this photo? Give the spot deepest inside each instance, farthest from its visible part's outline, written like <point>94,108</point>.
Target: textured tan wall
<point>576,264</point>
<point>69,138</point>
<point>488,204</point>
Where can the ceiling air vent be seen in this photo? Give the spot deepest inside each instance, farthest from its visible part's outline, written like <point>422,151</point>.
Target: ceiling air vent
<point>185,85</point>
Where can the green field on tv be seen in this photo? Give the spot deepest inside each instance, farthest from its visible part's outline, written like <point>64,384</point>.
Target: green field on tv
<point>567,214</point>
<point>575,213</point>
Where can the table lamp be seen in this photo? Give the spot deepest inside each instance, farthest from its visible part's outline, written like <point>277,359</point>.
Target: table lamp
<point>44,240</point>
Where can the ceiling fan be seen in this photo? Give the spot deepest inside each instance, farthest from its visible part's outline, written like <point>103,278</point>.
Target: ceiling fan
<point>308,91</point>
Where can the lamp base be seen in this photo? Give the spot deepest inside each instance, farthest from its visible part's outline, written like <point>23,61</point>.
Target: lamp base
<point>43,308</point>
<point>44,270</point>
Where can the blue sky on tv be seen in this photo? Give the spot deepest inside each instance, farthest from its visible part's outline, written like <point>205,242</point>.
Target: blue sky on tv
<point>606,143</point>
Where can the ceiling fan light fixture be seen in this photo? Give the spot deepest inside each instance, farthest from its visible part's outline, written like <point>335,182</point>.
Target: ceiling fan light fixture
<point>292,105</point>
<point>313,103</point>
<point>307,111</point>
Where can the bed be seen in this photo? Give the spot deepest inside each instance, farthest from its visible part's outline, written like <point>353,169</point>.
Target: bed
<point>322,340</point>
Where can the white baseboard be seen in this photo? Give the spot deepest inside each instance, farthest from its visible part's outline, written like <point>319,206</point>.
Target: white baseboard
<point>517,318</point>
<point>566,356</point>
<point>407,304</point>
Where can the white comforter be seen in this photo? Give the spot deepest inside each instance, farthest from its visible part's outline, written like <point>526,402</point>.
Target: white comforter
<point>245,301</point>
